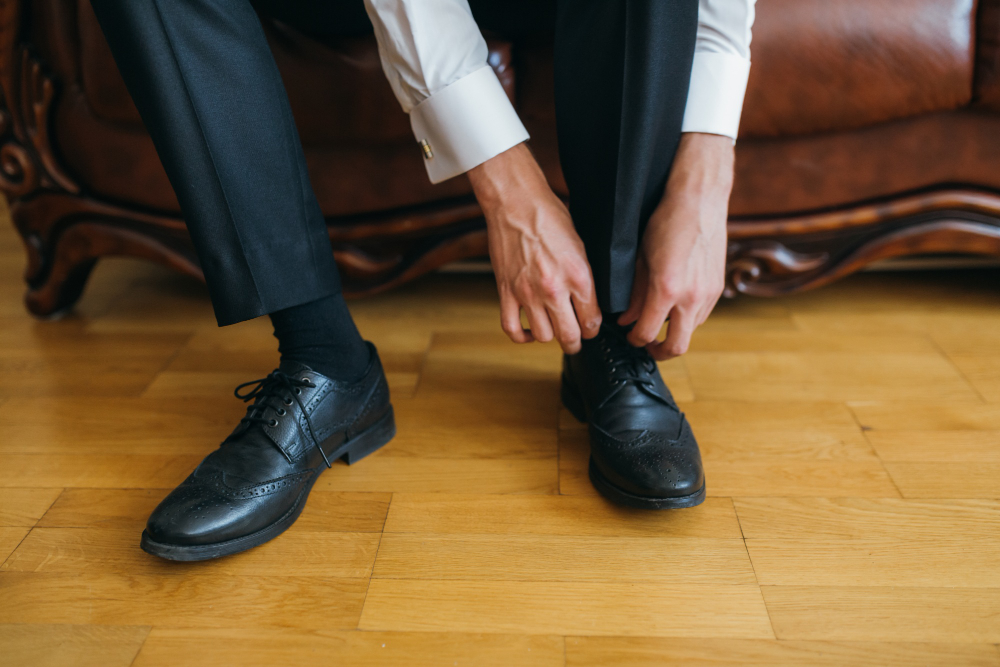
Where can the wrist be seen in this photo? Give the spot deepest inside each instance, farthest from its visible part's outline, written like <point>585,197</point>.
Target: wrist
<point>510,177</point>
<point>703,166</point>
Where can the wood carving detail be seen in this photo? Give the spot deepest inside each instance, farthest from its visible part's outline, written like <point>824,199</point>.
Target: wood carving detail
<point>771,268</point>
<point>27,159</point>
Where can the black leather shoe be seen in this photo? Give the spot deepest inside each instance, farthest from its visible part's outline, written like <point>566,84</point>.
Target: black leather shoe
<point>642,451</point>
<point>255,485</point>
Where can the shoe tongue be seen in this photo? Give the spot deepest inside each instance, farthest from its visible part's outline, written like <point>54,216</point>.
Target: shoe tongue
<point>632,409</point>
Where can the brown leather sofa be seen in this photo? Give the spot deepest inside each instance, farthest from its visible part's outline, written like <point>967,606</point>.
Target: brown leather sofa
<point>871,130</point>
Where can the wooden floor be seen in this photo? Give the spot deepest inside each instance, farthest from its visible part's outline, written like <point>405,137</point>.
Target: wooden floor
<point>851,438</point>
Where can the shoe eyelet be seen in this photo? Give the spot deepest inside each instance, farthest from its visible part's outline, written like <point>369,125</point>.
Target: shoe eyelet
<point>272,423</point>
<point>297,391</point>
<point>282,412</point>
<point>286,401</point>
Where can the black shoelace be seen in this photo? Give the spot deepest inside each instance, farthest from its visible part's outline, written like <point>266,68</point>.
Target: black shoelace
<point>626,362</point>
<point>277,385</point>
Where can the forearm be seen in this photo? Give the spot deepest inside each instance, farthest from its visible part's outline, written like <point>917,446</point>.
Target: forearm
<point>513,177</point>
<point>703,166</point>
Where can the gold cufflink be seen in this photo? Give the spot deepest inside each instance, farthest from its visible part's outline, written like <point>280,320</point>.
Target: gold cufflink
<point>428,153</point>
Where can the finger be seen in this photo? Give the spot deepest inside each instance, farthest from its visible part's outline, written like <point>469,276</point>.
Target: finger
<point>637,300</point>
<point>682,325</point>
<point>588,313</point>
<point>541,328</point>
<point>567,329</point>
<point>510,319</point>
<point>647,327</point>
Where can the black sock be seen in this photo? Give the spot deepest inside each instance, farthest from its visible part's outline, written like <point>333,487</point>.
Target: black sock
<point>322,335</point>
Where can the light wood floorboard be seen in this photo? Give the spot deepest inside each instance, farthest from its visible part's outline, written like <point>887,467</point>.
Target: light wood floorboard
<point>851,438</point>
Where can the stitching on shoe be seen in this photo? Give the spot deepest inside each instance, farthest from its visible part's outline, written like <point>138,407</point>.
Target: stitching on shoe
<point>218,482</point>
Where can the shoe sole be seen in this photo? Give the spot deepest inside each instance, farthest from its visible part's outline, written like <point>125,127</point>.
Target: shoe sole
<point>368,441</point>
<point>571,399</point>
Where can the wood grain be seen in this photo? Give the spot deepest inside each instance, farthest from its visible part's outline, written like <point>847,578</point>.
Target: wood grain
<point>402,474</point>
<point>24,507</point>
<point>267,647</point>
<point>946,480</point>
<point>536,557</point>
<point>10,538</point>
<point>553,515</point>
<point>314,554</point>
<point>634,609</point>
<point>96,470</point>
<point>867,518</point>
<point>946,446</point>
<point>660,652</point>
<point>956,562</point>
<point>185,598</point>
<point>77,645</point>
<point>870,613</point>
<point>819,376</point>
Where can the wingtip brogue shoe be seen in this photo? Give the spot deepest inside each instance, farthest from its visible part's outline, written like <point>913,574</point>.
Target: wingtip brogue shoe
<point>255,485</point>
<point>643,451</point>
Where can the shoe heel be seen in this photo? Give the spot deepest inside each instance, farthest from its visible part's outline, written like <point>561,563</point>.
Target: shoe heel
<point>571,399</point>
<point>371,439</point>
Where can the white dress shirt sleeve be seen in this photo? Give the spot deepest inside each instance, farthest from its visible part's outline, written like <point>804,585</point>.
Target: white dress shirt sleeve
<point>721,67</point>
<point>435,58</point>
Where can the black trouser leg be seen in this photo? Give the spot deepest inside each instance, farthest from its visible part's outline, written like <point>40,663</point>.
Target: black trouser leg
<point>209,92</point>
<point>622,69</point>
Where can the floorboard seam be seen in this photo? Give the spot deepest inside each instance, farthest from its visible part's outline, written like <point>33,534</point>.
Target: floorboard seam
<point>753,568</point>
<point>166,364</point>
<point>139,650</point>
<point>51,505</point>
<point>957,369</point>
<point>371,576</point>
<point>14,550</point>
<point>864,434</point>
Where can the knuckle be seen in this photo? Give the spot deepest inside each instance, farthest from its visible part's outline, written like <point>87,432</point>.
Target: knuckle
<point>666,289</point>
<point>548,287</point>
<point>568,340</point>
<point>579,276</point>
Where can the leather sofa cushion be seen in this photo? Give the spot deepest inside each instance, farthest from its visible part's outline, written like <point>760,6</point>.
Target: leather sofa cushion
<point>821,65</point>
<point>337,91</point>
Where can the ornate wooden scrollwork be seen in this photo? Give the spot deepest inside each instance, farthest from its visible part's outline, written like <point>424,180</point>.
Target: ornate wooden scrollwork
<point>27,159</point>
<point>910,226</point>
<point>754,261</point>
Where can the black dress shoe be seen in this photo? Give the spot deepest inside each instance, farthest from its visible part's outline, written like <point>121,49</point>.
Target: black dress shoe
<point>255,485</point>
<point>642,451</point>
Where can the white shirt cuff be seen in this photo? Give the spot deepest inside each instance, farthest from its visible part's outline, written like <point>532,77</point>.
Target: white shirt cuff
<point>465,124</point>
<point>715,98</point>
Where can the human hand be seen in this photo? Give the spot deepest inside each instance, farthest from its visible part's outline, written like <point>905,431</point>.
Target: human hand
<point>537,256</point>
<point>680,271</point>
